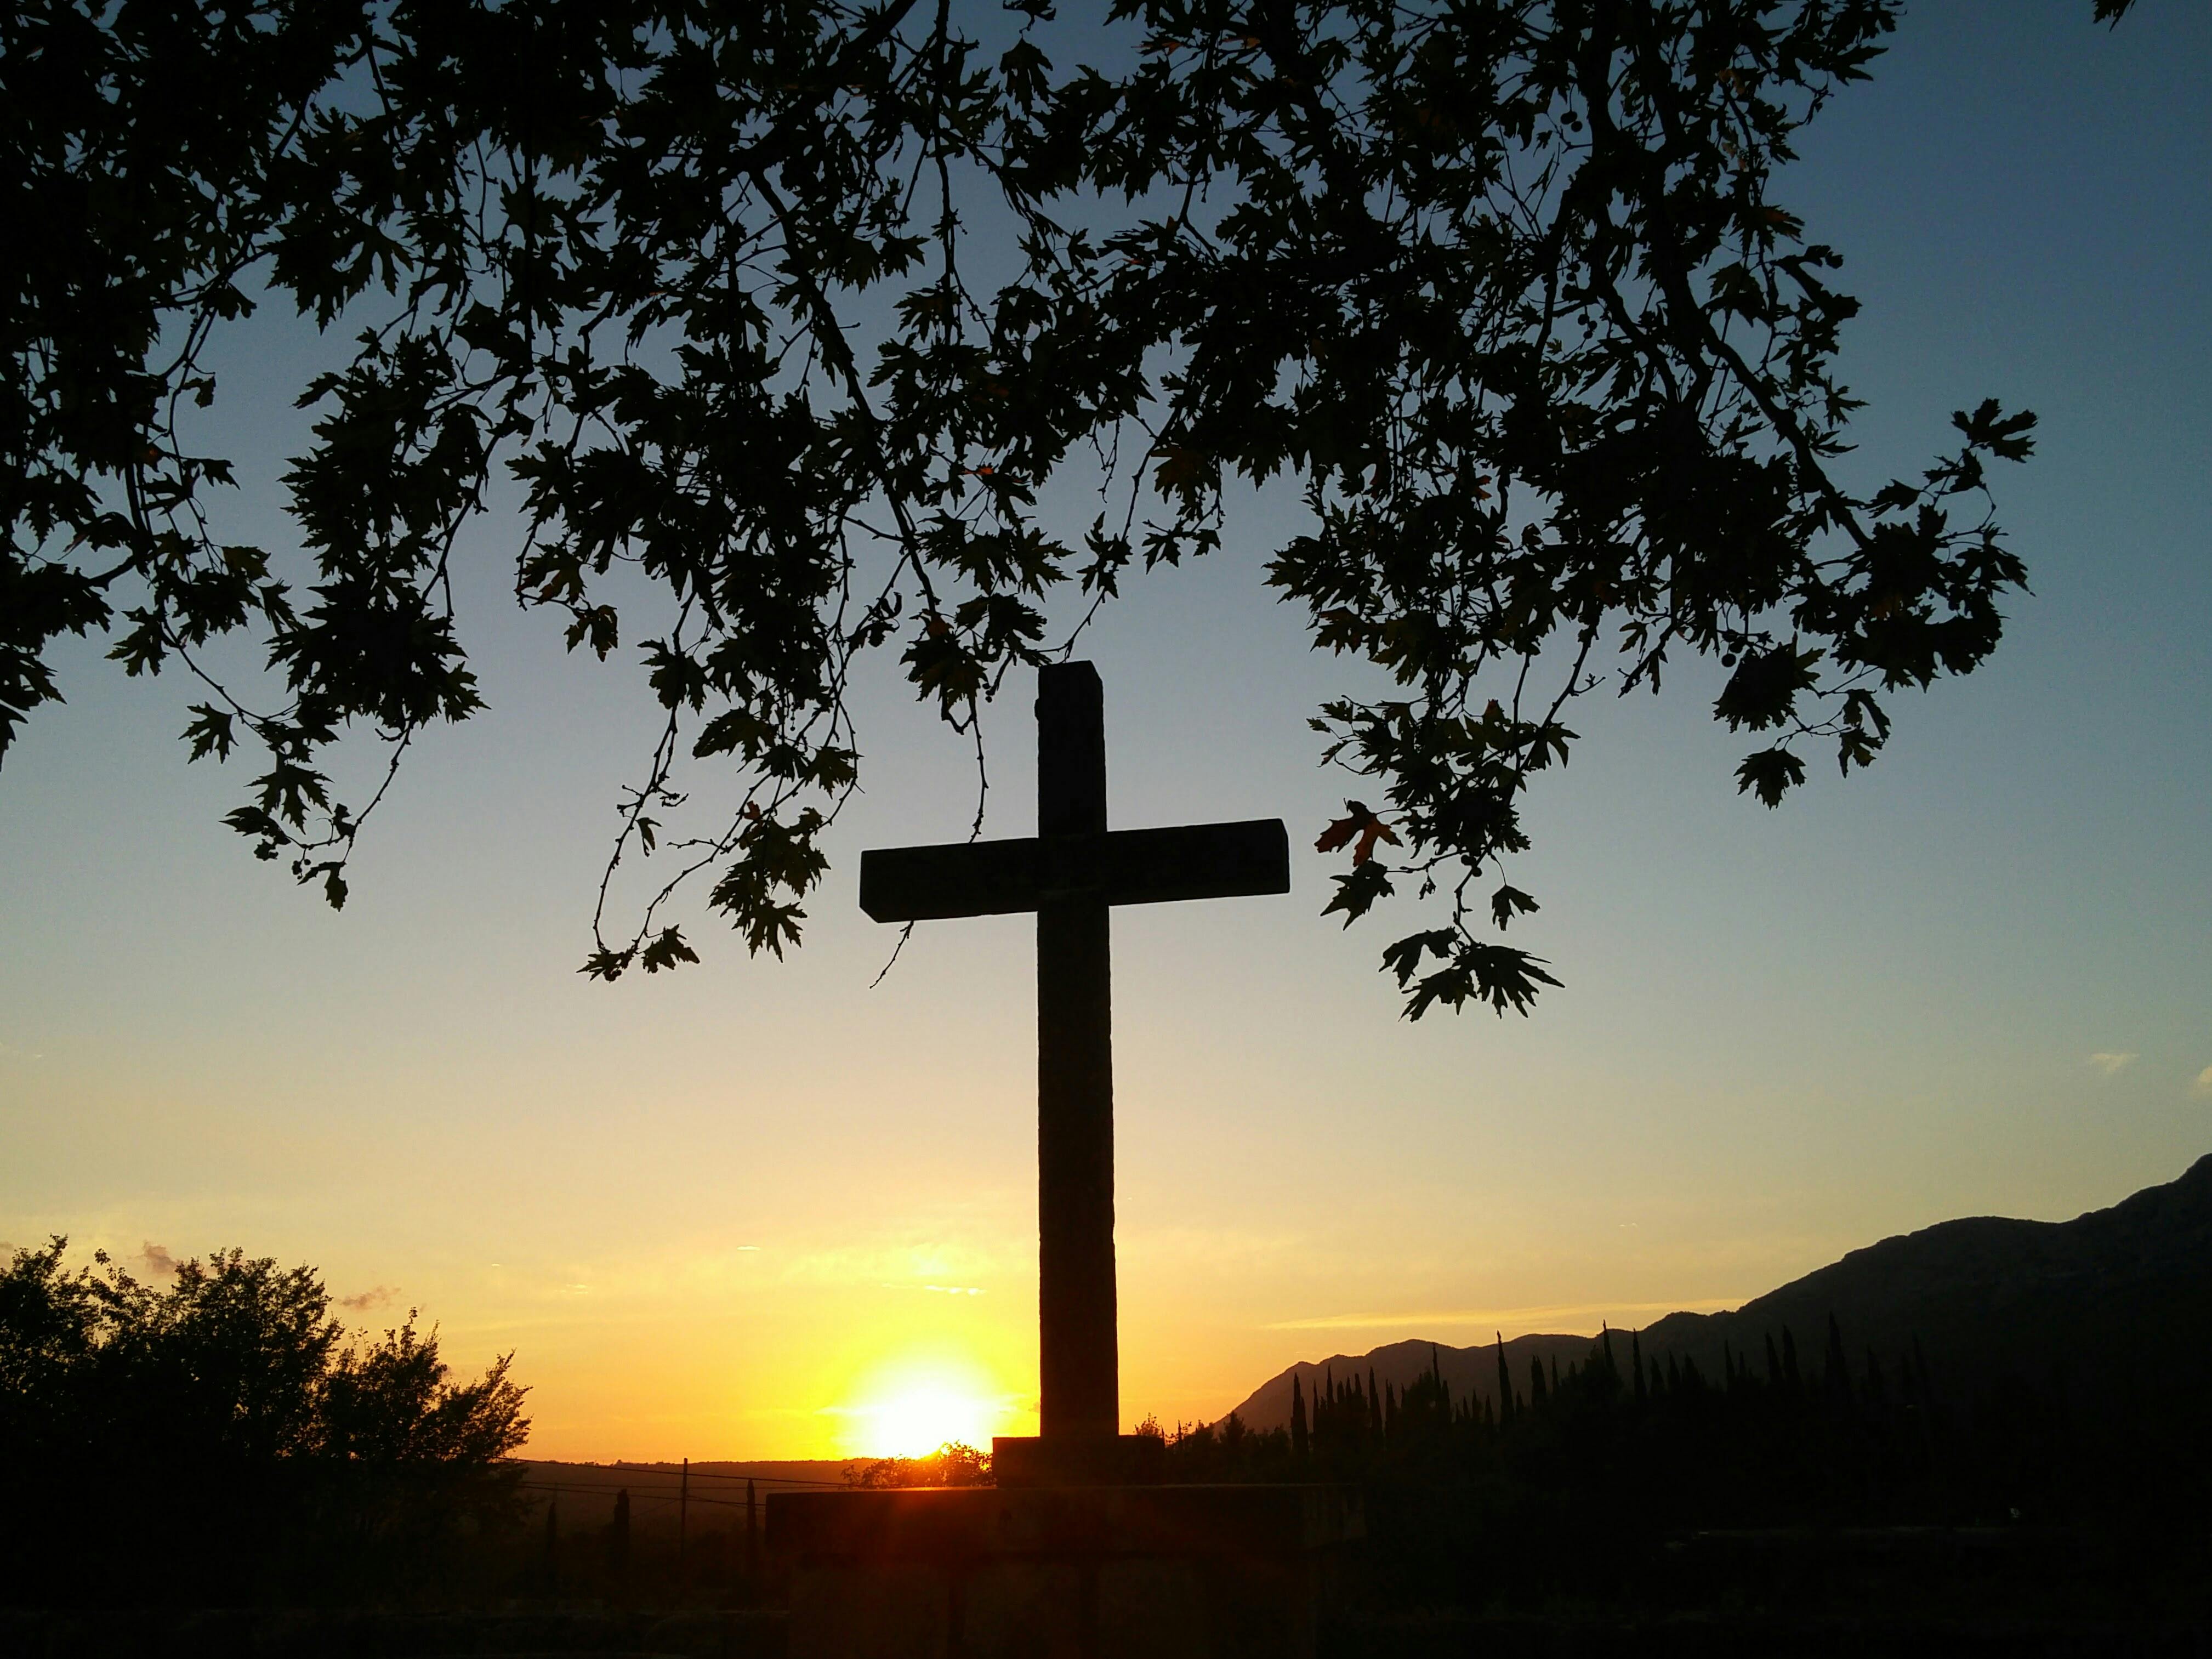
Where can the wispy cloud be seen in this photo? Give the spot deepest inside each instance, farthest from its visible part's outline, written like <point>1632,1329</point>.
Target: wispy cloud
<point>2203,1084</point>
<point>374,1297</point>
<point>156,1259</point>
<point>941,1290</point>
<point>913,1264</point>
<point>2112,1065</point>
<point>1498,1318</point>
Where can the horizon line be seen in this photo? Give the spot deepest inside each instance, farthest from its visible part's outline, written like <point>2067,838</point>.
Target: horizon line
<point>1500,1317</point>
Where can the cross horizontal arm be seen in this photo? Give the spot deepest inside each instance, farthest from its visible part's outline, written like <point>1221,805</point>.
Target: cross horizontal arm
<point>1194,861</point>
<point>964,878</point>
<point>1125,867</point>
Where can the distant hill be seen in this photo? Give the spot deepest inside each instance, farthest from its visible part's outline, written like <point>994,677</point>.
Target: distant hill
<point>1268,1406</point>
<point>2122,1296</point>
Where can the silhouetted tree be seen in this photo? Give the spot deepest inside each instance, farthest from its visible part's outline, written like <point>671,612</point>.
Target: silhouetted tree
<point>1836,1366</point>
<point>396,1403</point>
<point>619,1540</point>
<point>1601,1493</point>
<point>952,1464</point>
<point>267,1449</point>
<point>699,281</point>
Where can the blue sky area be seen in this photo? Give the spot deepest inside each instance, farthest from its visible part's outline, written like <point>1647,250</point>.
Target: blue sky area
<point>712,1212</point>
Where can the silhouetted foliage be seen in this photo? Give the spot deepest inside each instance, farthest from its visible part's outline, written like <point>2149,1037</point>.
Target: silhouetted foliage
<point>951,1464</point>
<point>225,1436</point>
<point>795,309</point>
<point>1660,1485</point>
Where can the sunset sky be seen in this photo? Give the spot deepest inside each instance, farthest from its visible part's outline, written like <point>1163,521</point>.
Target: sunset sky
<point>755,1209</point>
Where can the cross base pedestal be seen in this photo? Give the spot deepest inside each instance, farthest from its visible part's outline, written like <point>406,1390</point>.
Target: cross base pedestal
<point>1067,1572</point>
<point>1105,1460</point>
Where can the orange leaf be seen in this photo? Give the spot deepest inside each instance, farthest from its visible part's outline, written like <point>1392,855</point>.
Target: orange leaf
<point>1359,822</point>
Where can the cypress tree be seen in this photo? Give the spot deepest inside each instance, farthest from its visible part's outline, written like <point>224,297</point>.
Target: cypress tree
<point>1504,1384</point>
<point>1790,1360</point>
<point>1636,1362</point>
<point>1374,1406</point>
<point>1773,1364</point>
<point>1877,1393</point>
<point>1919,1396</point>
<point>1836,1379</point>
<point>1536,1389</point>
<point>618,1539</point>
<point>1299,1437</point>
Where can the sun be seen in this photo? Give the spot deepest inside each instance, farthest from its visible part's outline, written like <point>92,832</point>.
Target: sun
<point>919,1420</point>
<point>911,1408</point>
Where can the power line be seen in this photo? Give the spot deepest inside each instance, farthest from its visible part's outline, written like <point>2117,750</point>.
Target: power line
<point>647,1497</point>
<point>698,1473</point>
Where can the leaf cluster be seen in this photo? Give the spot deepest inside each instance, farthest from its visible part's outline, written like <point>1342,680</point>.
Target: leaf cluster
<point>1504,288</point>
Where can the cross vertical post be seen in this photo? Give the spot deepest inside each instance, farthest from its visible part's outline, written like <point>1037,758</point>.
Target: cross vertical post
<point>1078,1356</point>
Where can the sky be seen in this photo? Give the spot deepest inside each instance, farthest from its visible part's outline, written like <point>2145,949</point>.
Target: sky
<point>758,1209</point>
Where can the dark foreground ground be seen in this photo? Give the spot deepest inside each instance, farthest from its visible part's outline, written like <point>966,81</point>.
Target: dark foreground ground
<point>707,1634</point>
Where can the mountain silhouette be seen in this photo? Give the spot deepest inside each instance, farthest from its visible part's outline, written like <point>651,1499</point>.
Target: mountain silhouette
<point>1464,1371</point>
<point>2122,1295</point>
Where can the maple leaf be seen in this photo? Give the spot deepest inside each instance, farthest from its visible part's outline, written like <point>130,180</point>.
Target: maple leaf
<point>1179,469</point>
<point>1359,820</point>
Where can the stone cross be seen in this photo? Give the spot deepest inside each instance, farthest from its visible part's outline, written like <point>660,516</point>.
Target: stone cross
<point>1069,874</point>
